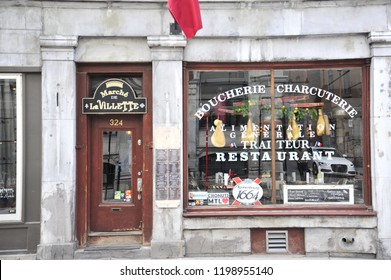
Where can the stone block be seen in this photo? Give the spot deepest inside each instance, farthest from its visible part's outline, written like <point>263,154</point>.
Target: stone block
<point>167,249</point>
<point>280,49</point>
<point>58,145</point>
<point>219,241</point>
<point>19,41</point>
<point>112,49</point>
<point>198,242</point>
<point>57,212</point>
<point>340,241</point>
<point>381,80</point>
<point>123,252</point>
<point>94,21</point>
<point>58,91</point>
<point>384,249</point>
<point>325,19</point>
<point>280,222</point>
<point>231,241</point>
<point>19,18</point>
<point>56,251</point>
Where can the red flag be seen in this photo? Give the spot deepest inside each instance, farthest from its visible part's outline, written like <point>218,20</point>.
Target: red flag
<point>187,14</point>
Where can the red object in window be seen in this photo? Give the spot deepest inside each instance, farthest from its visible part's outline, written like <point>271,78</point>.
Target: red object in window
<point>238,181</point>
<point>187,14</point>
<point>231,173</point>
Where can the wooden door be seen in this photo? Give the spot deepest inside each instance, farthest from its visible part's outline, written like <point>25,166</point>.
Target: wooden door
<point>116,173</point>
<point>89,155</point>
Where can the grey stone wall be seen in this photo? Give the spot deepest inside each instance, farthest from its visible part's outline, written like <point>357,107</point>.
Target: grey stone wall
<point>20,28</point>
<point>246,31</point>
<point>324,236</point>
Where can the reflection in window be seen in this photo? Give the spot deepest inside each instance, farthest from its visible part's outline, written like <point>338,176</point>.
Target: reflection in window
<point>10,149</point>
<point>117,158</point>
<point>275,137</point>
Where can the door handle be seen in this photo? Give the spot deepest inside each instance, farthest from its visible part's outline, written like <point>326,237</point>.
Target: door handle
<point>139,187</point>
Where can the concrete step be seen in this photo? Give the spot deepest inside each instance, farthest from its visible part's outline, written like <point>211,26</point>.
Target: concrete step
<point>109,252</point>
<point>114,245</point>
<point>115,238</point>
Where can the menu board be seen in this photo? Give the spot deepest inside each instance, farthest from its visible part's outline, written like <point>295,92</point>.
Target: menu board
<point>168,174</point>
<point>318,194</point>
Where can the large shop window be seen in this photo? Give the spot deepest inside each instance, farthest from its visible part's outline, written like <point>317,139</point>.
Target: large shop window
<point>285,137</point>
<point>11,147</point>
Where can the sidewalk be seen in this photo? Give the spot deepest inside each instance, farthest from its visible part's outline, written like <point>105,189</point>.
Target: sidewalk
<point>124,256</point>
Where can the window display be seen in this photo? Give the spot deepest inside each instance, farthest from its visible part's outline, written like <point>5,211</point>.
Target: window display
<point>10,147</point>
<point>275,137</point>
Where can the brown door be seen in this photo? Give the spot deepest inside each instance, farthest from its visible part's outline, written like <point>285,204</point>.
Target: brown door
<point>116,173</point>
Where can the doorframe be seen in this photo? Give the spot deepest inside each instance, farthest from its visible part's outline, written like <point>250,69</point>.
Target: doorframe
<point>83,125</point>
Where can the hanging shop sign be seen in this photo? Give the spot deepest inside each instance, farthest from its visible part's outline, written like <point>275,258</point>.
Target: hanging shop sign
<point>114,96</point>
<point>247,192</point>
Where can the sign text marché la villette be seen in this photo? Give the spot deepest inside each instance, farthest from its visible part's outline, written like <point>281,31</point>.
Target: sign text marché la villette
<point>114,96</point>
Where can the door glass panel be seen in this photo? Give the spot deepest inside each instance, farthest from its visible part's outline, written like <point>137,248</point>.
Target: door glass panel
<point>117,172</point>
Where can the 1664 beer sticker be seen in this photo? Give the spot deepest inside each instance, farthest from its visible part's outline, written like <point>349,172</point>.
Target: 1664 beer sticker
<point>247,192</point>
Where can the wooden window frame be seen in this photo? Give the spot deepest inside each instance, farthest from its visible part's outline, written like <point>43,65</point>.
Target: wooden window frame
<point>17,217</point>
<point>365,209</point>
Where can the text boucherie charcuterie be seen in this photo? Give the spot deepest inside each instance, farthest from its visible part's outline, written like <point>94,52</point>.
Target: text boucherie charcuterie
<point>280,88</point>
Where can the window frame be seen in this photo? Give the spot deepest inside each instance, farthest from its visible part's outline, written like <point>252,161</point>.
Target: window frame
<point>281,209</point>
<point>18,216</point>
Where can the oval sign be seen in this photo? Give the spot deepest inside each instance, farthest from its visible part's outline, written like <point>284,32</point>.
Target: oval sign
<point>114,96</point>
<point>247,192</point>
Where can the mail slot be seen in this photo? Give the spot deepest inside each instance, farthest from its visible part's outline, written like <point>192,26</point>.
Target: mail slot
<point>115,209</point>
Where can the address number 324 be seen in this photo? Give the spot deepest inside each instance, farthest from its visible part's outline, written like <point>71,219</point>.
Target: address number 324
<point>116,122</point>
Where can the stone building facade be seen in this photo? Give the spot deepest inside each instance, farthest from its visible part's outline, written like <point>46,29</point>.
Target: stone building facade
<point>62,52</point>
